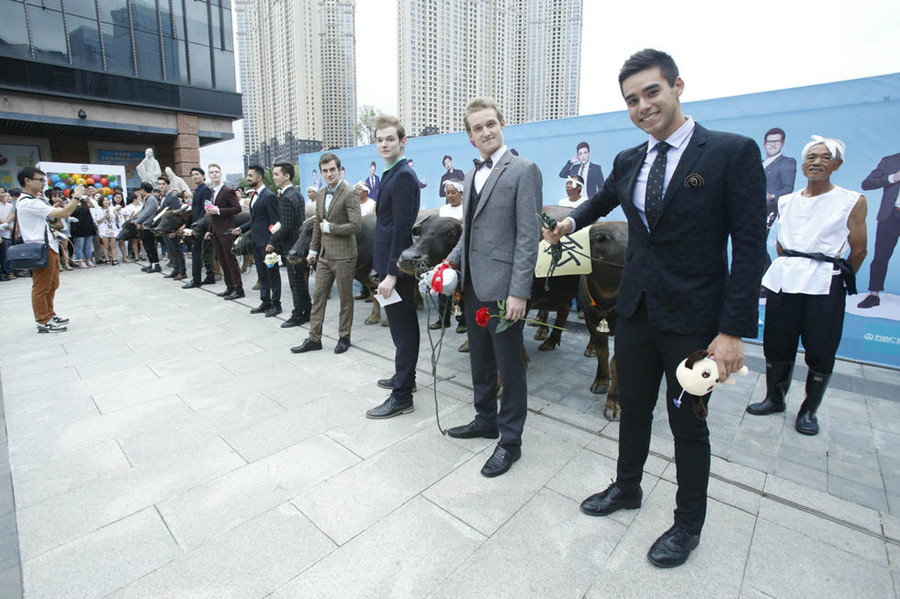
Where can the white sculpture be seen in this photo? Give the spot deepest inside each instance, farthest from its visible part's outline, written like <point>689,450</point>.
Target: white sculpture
<point>176,183</point>
<point>148,169</point>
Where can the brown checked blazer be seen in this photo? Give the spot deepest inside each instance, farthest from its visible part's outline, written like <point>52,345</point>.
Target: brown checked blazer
<point>344,215</point>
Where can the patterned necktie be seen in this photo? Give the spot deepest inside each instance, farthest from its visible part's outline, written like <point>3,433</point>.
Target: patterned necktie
<point>654,196</point>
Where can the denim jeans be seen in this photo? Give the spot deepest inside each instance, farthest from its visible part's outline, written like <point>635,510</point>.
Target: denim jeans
<point>84,247</point>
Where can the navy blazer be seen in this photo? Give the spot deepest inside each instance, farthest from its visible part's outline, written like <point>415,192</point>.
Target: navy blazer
<point>878,179</point>
<point>594,179</point>
<point>398,206</point>
<point>198,204</point>
<point>780,176</point>
<point>717,191</point>
<point>263,214</point>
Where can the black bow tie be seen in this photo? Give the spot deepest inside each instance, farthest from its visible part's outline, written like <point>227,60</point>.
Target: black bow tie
<point>479,163</point>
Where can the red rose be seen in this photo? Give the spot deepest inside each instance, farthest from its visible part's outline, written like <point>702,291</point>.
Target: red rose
<point>482,316</point>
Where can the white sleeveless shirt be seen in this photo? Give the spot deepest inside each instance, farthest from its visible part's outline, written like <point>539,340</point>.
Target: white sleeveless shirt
<point>810,225</point>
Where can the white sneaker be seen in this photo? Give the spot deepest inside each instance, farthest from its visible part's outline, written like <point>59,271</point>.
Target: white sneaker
<point>50,327</point>
<point>59,320</point>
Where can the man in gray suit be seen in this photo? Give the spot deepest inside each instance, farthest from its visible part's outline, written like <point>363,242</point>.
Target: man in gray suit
<point>496,255</point>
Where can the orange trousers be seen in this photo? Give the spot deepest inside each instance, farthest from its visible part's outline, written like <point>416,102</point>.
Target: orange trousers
<point>44,283</point>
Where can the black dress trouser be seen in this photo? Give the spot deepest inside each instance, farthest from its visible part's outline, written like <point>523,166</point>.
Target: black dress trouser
<point>644,354</point>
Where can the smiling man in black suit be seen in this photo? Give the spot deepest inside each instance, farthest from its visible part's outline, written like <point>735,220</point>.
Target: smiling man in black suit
<point>685,191</point>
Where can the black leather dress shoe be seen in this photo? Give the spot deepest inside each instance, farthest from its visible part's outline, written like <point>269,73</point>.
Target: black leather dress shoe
<point>610,500</point>
<point>343,345</point>
<point>146,268</point>
<point>260,308</point>
<point>234,295</point>
<point>208,281</point>
<point>171,275</point>
<point>156,268</point>
<point>224,293</point>
<point>672,548</point>
<point>439,324</point>
<point>303,318</point>
<point>501,461</point>
<point>390,408</point>
<point>289,323</point>
<point>191,285</point>
<point>274,310</point>
<point>308,345</point>
<point>472,431</point>
<point>389,384</point>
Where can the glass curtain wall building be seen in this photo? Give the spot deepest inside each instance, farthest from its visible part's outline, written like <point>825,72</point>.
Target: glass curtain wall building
<point>165,55</point>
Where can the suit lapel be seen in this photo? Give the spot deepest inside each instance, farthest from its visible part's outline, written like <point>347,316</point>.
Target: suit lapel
<point>685,166</point>
<point>498,169</point>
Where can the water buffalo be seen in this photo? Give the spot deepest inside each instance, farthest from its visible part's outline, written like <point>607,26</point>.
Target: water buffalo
<point>129,231</point>
<point>172,220</point>
<point>598,296</point>
<point>438,235</point>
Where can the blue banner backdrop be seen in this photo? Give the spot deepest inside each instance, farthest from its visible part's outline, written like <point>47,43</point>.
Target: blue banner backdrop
<point>864,113</point>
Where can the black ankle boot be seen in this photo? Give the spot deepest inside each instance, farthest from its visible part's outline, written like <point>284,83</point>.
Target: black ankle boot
<point>778,381</point>
<point>816,383</point>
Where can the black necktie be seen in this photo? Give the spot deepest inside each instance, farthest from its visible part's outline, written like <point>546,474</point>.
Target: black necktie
<point>654,196</point>
<point>479,163</point>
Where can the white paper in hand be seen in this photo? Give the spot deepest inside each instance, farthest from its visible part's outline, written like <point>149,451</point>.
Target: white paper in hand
<point>393,298</point>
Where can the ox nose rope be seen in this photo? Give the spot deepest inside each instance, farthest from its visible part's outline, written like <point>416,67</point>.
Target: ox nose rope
<point>421,266</point>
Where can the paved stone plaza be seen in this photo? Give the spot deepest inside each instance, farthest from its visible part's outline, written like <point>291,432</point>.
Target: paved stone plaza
<point>169,445</point>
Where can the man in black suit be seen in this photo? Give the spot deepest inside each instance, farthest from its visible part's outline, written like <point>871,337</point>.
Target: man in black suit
<point>263,214</point>
<point>292,212</point>
<point>886,176</point>
<point>684,194</point>
<point>582,166</point>
<point>780,174</point>
<point>202,195</point>
<point>398,205</point>
<point>173,243</point>
<point>452,174</point>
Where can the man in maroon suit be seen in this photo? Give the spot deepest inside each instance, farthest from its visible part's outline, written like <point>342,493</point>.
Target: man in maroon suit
<point>221,220</point>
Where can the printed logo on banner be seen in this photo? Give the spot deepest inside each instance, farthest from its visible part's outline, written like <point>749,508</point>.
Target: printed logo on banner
<point>882,337</point>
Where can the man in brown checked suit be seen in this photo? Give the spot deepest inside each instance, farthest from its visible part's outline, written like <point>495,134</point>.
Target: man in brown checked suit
<point>221,220</point>
<point>333,249</point>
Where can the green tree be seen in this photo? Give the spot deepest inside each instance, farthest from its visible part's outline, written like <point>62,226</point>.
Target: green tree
<point>365,125</point>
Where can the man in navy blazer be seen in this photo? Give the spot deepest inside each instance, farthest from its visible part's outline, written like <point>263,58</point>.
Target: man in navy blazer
<point>582,166</point>
<point>886,176</point>
<point>684,194</point>
<point>263,214</point>
<point>398,205</point>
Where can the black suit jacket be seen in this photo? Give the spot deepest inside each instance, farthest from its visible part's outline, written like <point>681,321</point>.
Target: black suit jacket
<point>198,204</point>
<point>680,268</point>
<point>263,214</point>
<point>292,213</point>
<point>879,179</point>
<point>398,206</point>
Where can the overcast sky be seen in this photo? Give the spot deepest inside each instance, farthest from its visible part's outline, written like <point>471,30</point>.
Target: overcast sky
<point>722,49</point>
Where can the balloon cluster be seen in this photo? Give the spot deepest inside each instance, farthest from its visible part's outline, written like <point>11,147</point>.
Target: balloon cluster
<point>103,184</point>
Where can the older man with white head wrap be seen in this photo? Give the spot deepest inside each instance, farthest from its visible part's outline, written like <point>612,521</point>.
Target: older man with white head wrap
<point>808,281</point>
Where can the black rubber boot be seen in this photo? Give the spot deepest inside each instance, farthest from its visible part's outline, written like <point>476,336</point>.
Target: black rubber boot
<point>778,381</point>
<point>816,383</point>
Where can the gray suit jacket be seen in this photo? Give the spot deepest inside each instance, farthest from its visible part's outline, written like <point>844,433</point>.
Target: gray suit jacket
<point>505,230</point>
